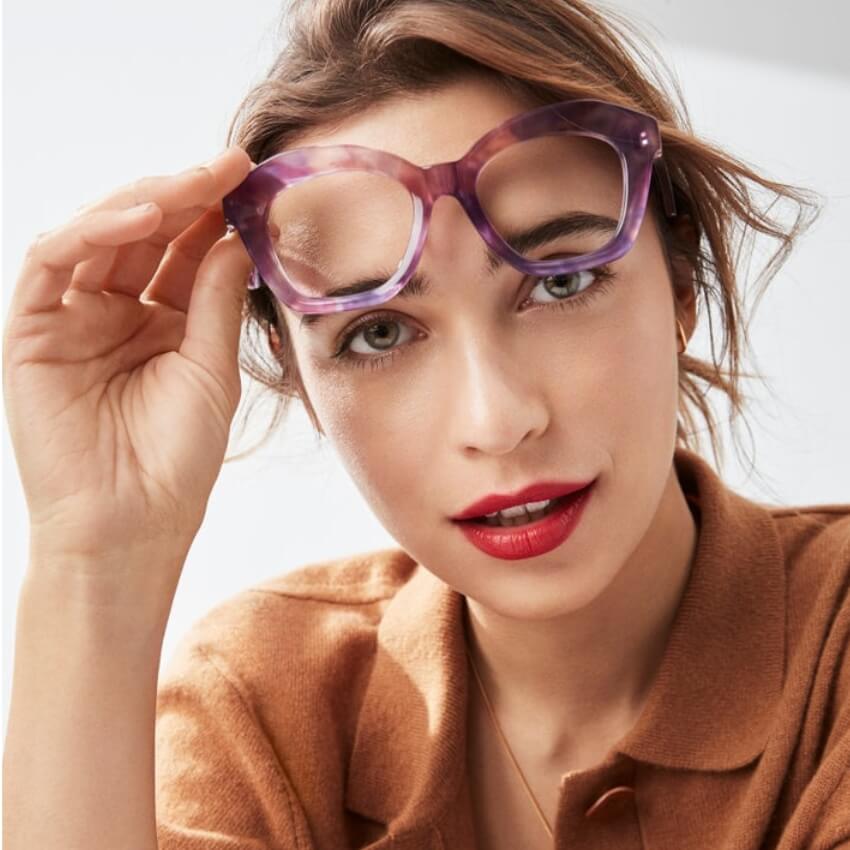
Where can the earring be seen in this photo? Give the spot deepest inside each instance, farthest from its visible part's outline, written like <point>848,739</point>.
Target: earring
<point>682,337</point>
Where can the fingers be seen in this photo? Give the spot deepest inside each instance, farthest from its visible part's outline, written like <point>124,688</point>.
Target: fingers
<point>215,310</point>
<point>200,185</point>
<point>172,284</point>
<point>50,261</point>
<point>183,198</point>
<point>117,243</point>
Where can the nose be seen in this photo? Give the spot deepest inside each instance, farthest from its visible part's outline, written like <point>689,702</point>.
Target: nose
<point>493,398</point>
<point>496,400</point>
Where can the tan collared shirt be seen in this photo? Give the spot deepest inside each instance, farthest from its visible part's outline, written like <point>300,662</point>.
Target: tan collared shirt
<point>326,708</point>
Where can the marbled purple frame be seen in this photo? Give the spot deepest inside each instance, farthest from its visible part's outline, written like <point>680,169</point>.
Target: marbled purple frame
<point>633,135</point>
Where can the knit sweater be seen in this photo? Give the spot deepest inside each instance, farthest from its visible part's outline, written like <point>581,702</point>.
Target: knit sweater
<point>325,708</point>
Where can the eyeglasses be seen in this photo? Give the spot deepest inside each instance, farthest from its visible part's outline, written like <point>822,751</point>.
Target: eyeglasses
<point>342,227</point>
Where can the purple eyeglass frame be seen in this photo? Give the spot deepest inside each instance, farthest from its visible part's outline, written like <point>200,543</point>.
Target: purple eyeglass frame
<point>633,135</point>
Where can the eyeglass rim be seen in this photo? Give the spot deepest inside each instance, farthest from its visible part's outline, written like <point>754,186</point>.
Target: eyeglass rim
<point>634,136</point>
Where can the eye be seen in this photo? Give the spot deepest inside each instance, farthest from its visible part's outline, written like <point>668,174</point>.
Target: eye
<point>380,333</point>
<point>570,287</point>
<point>383,340</point>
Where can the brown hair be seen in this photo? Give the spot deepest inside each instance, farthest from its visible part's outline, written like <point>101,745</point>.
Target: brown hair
<point>342,56</point>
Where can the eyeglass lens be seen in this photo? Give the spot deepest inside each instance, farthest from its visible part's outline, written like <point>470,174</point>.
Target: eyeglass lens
<point>550,196</point>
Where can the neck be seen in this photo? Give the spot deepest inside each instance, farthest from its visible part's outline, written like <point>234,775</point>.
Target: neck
<point>584,676</point>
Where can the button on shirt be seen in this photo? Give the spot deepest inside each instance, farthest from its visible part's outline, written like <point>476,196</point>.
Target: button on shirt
<point>325,708</point>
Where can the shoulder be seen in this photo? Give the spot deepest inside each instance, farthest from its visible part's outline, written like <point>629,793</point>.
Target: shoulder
<point>262,696</point>
<point>815,541</point>
<point>310,623</point>
<point>256,708</point>
<point>818,533</point>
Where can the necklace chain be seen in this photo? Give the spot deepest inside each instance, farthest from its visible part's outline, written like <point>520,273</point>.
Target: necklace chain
<point>506,747</point>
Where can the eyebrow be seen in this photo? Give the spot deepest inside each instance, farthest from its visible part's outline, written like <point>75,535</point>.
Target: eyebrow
<point>521,241</point>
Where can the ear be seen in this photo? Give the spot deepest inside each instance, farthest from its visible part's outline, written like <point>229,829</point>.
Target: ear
<point>683,273</point>
<point>274,339</point>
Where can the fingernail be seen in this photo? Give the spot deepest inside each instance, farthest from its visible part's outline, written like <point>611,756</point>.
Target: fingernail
<point>140,209</point>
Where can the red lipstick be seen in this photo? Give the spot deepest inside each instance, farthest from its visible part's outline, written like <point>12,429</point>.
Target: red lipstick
<point>529,539</point>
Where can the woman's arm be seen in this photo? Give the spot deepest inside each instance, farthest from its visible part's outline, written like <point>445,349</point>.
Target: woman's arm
<point>78,769</point>
<point>120,381</point>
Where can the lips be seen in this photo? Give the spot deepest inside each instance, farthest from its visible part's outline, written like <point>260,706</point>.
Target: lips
<point>533,539</point>
<point>533,493</point>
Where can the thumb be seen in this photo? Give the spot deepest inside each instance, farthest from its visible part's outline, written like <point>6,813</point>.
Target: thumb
<point>214,317</point>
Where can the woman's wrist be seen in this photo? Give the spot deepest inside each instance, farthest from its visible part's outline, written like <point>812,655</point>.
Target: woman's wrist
<point>80,740</point>
<point>126,594</point>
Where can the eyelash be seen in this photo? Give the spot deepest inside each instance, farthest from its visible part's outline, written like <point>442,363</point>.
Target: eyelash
<point>602,283</point>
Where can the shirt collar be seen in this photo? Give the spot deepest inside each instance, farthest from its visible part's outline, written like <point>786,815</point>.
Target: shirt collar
<point>709,707</point>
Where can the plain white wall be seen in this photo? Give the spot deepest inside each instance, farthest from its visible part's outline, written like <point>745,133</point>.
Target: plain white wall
<point>97,94</point>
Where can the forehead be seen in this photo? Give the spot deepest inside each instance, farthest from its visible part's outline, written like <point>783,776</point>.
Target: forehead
<point>422,127</point>
<point>426,128</point>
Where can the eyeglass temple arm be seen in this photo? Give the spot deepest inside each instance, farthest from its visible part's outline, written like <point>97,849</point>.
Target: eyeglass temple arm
<point>666,185</point>
<point>254,281</point>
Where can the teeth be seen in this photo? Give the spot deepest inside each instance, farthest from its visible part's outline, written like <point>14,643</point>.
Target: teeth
<point>538,506</point>
<point>519,510</point>
<point>530,510</point>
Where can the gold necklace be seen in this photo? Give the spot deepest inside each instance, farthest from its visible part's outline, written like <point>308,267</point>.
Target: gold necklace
<point>507,748</point>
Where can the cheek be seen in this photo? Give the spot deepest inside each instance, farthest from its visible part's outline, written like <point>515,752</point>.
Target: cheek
<point>369,422</point>
<point>640,370</point>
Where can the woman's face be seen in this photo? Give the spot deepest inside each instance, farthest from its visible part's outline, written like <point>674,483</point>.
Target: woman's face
<point>487,384</point>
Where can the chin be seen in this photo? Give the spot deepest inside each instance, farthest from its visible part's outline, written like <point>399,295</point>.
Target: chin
<point>554,585</point>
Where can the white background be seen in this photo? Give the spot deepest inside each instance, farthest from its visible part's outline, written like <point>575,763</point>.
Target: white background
<point>96,94</point>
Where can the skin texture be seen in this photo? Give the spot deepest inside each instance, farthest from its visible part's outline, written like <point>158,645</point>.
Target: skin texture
<point>491,389</point>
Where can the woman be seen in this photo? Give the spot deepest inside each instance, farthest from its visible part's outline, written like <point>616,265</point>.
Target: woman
<point>584,639</point>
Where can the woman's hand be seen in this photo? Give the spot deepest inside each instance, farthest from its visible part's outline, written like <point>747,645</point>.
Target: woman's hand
<point>120,373</point>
